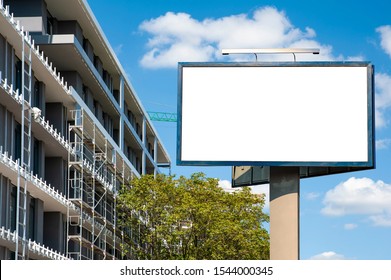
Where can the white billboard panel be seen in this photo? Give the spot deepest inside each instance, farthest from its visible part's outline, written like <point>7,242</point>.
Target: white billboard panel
<point>275,114</point>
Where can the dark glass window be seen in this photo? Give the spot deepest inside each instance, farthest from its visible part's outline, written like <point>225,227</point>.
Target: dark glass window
<point>18,141</point>
<point>31,231</point>
<point>12,212</point>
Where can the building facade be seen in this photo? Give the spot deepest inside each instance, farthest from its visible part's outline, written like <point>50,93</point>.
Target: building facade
<point>72,130</point>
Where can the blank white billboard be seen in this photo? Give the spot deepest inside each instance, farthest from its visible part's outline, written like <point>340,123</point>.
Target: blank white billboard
<point>275,114</point>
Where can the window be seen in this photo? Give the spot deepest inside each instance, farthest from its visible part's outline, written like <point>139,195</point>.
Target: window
<point>18,74</point>
<point>18,141</point>
<point>12,209</point>
<point>37,98</point>
<point>36,157</point>
<point>49,24</point>
<point>31,229</point>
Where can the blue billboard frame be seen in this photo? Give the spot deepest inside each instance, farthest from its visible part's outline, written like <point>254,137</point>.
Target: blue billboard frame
<point>370,164</point>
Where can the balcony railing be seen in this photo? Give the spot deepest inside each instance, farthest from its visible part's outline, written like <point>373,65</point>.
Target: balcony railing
<point>39,183</point>
<point>34,247</point>
<point>9,89</point>
<point>56,135</point>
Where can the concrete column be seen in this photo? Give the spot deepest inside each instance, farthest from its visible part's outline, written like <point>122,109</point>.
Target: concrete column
<point>284,213</point>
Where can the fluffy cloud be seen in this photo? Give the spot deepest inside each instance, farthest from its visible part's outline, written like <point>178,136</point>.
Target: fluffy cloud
<point>350,226</point>
<point>175,37</point>
<point>360,196</point>
<point>385,36</point>
<point>383,98</point>
<point>178,37</point>
<point>328,256</point>
<point>383,143</point>
<point>383,81</point>
<point>258,189</point>
<point>225,184</point>
<point>311,196</point>
<point>263,189</point>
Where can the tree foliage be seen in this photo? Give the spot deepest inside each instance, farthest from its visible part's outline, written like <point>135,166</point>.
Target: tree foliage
<point>191,218</point>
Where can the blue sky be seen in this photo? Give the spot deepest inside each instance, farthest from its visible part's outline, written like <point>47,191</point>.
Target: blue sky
<point>346,216</point>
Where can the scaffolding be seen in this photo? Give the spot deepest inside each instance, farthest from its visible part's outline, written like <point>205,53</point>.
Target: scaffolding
<point>94,177</point>
<point>25,157</point>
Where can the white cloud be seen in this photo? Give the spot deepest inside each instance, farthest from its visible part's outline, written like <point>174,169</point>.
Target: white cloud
<point>258,189</point>
<point>328,256</point>
<point>118,49</point>
<point>383,98</point>
<point>178,37</point>
<point>225,184</point>
<point>311,196</point>
<point>383,143</point>
<point>383,81</point>
<point>360,196</point>
<point>175,37</point>
<point>263,189</point>
<point>350,226</point>
<point>381,220</point>
<point>385,38</point>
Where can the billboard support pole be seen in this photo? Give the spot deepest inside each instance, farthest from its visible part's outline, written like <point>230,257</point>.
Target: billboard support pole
<point>284,213</point>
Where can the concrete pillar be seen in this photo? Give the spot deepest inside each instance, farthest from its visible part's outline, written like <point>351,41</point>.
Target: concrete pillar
<point>284,213</point>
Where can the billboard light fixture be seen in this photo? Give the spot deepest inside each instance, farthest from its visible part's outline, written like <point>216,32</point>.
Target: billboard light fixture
<point>270,51</point>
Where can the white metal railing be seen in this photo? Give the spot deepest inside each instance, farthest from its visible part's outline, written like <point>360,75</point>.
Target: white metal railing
<point>41,120</point>
<point>39,249</point>
<point>41,184</point>
<point>7,234</point>
<point>9,89</point>
<point>34,247</point>
<point>56,135</point>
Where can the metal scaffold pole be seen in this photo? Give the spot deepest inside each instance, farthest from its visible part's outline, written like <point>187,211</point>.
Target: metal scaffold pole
<point>75,219</point>
<point>25,157</point>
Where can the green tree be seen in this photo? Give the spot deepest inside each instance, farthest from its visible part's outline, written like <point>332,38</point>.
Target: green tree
<point>191,218</point>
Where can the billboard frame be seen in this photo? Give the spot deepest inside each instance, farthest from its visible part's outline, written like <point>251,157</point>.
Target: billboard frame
<point>370,163</point>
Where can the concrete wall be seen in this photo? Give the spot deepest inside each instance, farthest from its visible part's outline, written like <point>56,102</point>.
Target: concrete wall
<point>89,49</point>
<point>74,79</point>
<point>56,115</point>
<point>55,171</point>
<point>53,231</point>
<point>98,65</point>
<point>88,97</point>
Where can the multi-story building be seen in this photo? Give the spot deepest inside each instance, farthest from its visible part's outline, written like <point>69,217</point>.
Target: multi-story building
<point>72,130</point>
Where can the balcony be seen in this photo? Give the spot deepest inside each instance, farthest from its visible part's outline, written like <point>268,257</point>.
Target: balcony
<point>54,200</point>
<point>35,250</point>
